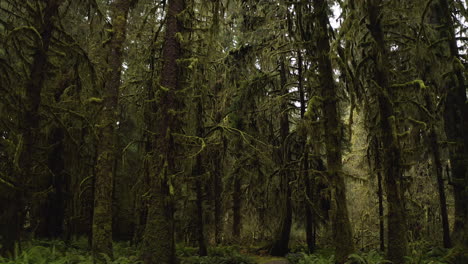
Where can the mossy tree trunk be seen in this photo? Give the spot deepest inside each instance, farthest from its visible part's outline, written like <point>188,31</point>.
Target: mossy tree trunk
<point>397,244</point>
<point>158,244</point>
<point>342,235</point>
<point>103,183</point>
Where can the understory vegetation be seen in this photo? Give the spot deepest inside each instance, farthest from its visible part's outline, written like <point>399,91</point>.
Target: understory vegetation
<point>78,252</point>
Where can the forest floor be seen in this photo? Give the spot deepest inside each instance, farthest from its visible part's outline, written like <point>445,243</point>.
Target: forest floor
<point>269,260</point>
<point>78,252</point>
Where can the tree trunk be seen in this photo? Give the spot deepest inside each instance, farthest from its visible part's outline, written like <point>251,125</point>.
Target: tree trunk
<point>281,245</point>
<point>236,207</point>
<point>434,145</point>
<point>397,244</point>
<point>198,172</point>
<point>456,127</point>
<point>342,234</point>
<point>218,188</point>
<point>158,244</point>
<point>103,184</point>
<point>377,168</point>
<point>309,225</point>
<point>218,165</point>
<point>57,199</point>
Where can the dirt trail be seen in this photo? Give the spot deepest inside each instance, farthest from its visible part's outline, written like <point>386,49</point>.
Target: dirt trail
<point>283,261</point>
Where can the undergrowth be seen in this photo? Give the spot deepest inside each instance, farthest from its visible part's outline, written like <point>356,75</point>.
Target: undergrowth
<point>78,252</point>
<point>421,253</point>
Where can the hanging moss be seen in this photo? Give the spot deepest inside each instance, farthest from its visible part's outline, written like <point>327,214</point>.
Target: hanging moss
<point>415,83</point>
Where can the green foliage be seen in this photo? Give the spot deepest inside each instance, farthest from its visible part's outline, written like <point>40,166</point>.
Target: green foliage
<point>57,252</point>
<point>183,251</point>
<point>371,257</point>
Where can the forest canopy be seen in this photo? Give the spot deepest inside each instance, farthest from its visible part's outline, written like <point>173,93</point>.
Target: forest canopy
<point>233,131</point>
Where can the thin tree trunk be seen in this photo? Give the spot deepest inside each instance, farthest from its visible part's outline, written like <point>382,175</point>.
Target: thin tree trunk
<point>434,145</point>
<point>397,244</point>
<point>158,244</point>
<point>281,245</point>
<point>199,173</point>
<point>217,165</point>
<point>342,234</point>
<point>236,207</point>
<point>104,178</point>
<point>57,199</point>
<point>379,194</point>
<point>310,236</point>
<point>218,188</point>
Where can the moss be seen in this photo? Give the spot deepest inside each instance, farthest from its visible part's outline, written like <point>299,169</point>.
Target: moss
<point>458,65</point>
<point>179,37</point>
<point>313,102</point>
<point>94,100</point>
<point>415,83</point>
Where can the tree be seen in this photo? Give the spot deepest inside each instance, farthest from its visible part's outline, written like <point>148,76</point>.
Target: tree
<point>456,124</point>
<point>397,245</point>
<point>158,244</point>
<point>103,183</point>
<point>342,234</point>
<point>281,245</point>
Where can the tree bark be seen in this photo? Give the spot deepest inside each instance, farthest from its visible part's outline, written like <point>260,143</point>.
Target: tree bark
<point>198,172</point>
<point>456,127</point>
<point>436,157</point>
<point>375,148</point>
<point>236,207</point>
<point>218,165</point>
<point>281,245</point>
<point>158,244</point>
<point>342,234</point>
<point>105,165</point>
<point>397,244</point>
<point>309,225</point>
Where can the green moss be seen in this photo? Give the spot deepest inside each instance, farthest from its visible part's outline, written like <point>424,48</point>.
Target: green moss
<point>314,102</point>
<point>415,83</point>
<point>94,100</point>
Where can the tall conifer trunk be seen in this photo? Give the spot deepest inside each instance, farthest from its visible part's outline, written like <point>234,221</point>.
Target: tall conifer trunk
<point>342,234</point>
<point>308,184</point>
<point>158,241</point>
<point>281,245</point>
<point>103,184</point>
<point>456,125</point>
<point>397,244</point>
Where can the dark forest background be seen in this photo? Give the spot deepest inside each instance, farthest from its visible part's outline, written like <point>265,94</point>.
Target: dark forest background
<point>182,127</point>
